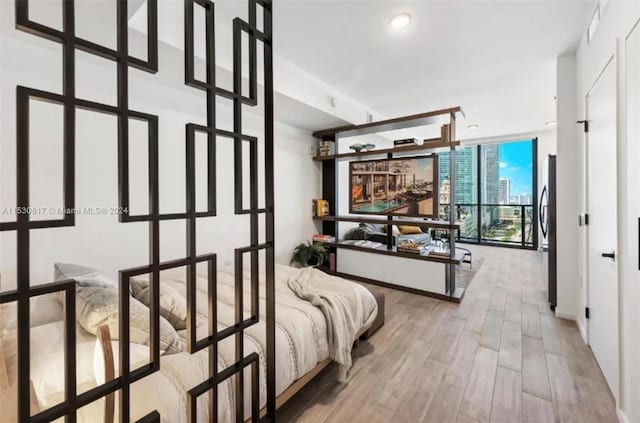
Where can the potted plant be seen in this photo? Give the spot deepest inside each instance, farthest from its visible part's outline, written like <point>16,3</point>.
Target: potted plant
<point>309,254</point>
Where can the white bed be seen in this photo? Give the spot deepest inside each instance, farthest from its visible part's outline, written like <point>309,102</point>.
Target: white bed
<point>301,347</point>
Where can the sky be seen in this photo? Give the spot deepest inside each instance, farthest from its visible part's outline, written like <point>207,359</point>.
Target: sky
<point>516,164</point>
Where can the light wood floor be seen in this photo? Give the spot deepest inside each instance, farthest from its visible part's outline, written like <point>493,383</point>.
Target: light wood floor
<point>500,356</point>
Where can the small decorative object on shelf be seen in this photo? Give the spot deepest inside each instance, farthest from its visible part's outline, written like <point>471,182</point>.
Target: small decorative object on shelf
<point>357,147</point>
<point>368,147</point>
<point>411,247</point>
<point>440,249</point>
<point>405,142</point>
<point>309,254</point>
<point>445,132</point>
<point>323,238</point>
<point>320,208</point>
<point>325,148</point>
<point>364,243</point>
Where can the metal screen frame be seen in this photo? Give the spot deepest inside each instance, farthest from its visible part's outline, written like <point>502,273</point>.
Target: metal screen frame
<point>23,225</point>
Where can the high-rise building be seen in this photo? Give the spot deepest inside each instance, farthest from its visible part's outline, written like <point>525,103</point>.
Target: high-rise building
<point>490,159</point>
<point>466,169</point>
<point>525,199</point>
<point>504,191</point>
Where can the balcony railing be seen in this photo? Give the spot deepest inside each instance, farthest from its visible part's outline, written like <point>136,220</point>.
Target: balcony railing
<point>495,224</point>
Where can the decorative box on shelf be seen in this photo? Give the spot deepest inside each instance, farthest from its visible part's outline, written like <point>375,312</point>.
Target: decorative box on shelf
<point>411,247</point>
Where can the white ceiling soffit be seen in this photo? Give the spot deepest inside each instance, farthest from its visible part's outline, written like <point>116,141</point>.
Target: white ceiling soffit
<point>301,99</point>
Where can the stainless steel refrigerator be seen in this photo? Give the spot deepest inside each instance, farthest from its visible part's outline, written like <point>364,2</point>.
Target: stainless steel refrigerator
<point>547,216</point>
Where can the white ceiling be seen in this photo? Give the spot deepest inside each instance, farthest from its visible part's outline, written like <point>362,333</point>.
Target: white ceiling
<point>496,59</point>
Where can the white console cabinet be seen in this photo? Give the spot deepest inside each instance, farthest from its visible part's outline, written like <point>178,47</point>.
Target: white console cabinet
<point>400,271</point>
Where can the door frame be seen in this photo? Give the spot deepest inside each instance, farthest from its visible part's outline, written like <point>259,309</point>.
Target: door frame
<point>613,59</point>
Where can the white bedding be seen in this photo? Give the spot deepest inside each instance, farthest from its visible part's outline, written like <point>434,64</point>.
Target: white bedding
<point>301,343</point>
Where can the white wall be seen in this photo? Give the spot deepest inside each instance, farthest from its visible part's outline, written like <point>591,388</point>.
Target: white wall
<point>101,241</point>
<point>569,175</point>
<point>618,19</point>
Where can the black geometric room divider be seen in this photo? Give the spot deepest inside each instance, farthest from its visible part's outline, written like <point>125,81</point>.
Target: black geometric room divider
<point>23,225</point>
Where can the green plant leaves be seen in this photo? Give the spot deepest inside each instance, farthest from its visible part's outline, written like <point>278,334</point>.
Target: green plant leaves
<point>309,254</point>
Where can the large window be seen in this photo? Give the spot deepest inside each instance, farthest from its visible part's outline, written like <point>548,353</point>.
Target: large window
<point>494,192</point>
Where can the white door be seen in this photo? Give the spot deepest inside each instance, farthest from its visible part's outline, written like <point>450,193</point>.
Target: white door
<point>602,228</point>
<point>631,229</point>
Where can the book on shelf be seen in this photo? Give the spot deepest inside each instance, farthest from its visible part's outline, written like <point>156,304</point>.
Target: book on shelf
<point>323,238</point>
<point>320,207</point>
<point>326,148</point>
<point>405,142</point>
<point>445,132</point>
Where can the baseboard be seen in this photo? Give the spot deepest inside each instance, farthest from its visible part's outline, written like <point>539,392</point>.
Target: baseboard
<point>563,315</point>
<point>570,316</point>
<point>622,418</point>
<point>583,331</point>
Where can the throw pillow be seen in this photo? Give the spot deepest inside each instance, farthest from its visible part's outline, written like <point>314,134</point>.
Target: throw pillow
<point>99,306</point>
<point>172,302</point>
<point>84,276</point>
<point>407,230</point>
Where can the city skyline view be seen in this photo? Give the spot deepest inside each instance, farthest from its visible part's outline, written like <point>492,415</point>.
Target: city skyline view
<point>493,191</point>
<point>512,161</point>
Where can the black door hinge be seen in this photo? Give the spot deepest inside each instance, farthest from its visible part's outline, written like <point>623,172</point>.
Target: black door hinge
<point>586,312</point>
<point>586,125</point>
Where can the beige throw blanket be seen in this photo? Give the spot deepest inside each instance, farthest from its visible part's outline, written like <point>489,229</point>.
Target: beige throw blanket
<point>342,307</point>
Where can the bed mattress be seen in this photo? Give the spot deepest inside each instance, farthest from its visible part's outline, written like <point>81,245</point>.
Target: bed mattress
<point>301,343</point>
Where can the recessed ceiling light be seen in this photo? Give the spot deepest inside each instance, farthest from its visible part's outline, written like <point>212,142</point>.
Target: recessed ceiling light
<point>401,20</point>
<point>550,123</point>
<point>472,126</point>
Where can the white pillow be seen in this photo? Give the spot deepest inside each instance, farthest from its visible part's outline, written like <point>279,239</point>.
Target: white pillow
<point>43,309</point>
<point>47,361</point>
<point>47,358</point>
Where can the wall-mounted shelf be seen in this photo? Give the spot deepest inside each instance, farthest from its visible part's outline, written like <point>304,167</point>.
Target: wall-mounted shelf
<point>403,122</point>
<point>433,275</point>
<point>431,145</point>
<point>436,224</point>
<point>393,252</point>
